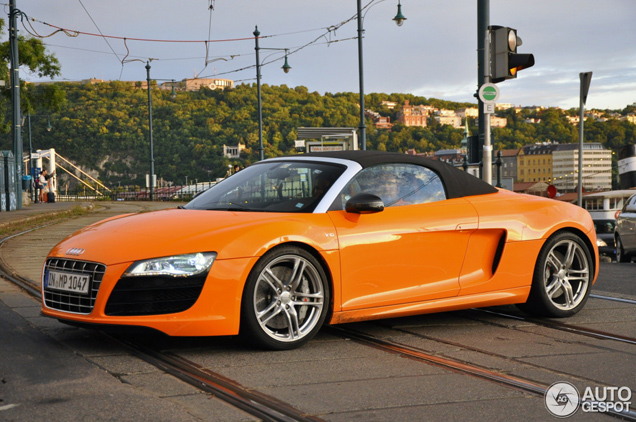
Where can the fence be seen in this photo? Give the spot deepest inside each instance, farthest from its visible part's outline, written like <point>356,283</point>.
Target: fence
<point>181,193</point>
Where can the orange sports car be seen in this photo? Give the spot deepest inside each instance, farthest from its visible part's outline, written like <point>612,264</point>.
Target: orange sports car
<point>289,244</point>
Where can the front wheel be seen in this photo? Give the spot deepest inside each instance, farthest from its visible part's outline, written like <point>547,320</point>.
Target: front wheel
<point>620,251</point>
<point>562,277</point>
<point>286,299</point>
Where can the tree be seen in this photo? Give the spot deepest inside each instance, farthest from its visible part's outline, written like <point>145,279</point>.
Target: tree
<point>32,56</point>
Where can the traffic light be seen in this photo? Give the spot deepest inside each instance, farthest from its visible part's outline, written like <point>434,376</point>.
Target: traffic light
<point>505,62</point>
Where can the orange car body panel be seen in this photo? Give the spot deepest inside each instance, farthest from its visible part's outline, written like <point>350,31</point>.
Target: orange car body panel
<point>403,254</point>
<point>402,261</point>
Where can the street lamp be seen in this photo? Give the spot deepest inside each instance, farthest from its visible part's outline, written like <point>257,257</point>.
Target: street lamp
<point>399,19</point>
<point>152,157</point>
<point>286,68</point>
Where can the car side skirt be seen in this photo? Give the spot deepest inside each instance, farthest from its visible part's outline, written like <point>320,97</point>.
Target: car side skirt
<point>497,298</point>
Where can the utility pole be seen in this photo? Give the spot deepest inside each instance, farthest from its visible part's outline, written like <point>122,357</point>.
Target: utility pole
<point>15,97</point>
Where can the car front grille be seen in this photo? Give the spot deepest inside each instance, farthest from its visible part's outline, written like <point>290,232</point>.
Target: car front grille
<point>69,301</point>
<point>154,295</point>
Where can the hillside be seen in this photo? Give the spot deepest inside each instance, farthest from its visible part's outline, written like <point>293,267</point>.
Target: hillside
<point>104,128</point>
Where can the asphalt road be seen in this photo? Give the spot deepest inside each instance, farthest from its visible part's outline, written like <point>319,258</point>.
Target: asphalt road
<point>50,371</point>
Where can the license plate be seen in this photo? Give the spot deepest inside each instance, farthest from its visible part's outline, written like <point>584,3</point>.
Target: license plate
<point>76,283</point>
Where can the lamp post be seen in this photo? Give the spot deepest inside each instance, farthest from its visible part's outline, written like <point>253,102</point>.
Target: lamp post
<point>286,68</point>
<point>399,20</point>
<point>152,157</point>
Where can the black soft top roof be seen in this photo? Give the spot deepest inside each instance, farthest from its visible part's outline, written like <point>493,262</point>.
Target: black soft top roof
<point>458,183</point>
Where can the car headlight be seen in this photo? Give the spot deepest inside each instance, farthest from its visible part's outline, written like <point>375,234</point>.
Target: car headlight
<point>175,266</point>
<point>600,243</point>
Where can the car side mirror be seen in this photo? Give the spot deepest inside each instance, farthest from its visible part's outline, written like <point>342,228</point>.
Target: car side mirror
<point>364,203</point>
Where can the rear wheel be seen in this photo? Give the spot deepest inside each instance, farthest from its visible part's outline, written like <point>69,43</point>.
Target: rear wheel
<point>562,277</point>
<point>286,299</point>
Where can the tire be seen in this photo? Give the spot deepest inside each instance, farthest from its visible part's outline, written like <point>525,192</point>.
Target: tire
<point>562,277</point>
<point>285,300</point>
<point>620,251</point>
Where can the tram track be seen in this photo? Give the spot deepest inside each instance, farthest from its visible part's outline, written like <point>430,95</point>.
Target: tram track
<point>523,384</point>
<point>268,408</point>
<point>570,328</point>
<point>614,299</point>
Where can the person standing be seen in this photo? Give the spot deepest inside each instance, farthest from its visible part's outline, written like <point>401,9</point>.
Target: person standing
<point>44,184</point>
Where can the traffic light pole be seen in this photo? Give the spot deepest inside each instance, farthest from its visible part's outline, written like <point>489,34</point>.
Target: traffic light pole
<point>483,77</point>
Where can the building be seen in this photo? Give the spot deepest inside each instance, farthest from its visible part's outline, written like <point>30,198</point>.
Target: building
<point>389,104</point>
<point>454,157</point>
<point>414,115</point>
<point>509,163</point>
<point>379,121</point>
<point>448,117</point>
<point>498,121</point>
<point>472,112</point>
<point>233,151</point>
<point>383,122</point>
<point>534,163</point>
<point>597,167</point>
<point>196,84</point>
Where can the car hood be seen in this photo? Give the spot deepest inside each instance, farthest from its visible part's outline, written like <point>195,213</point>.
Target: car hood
<point>178,231</point>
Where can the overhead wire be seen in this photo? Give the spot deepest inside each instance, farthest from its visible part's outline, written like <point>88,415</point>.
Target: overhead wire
<point>328,34</point>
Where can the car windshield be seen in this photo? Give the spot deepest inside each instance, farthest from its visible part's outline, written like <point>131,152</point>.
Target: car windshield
<point>271,186</point>
<point>604,226</point>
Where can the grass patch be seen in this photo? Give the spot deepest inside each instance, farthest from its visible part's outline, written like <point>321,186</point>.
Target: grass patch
<point>42,219</point>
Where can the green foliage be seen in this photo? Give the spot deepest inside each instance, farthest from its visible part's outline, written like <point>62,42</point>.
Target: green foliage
<point>104,127</point>
<point>33,56</point>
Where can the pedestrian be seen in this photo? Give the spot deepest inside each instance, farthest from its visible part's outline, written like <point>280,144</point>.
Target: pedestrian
<point>44,184</point>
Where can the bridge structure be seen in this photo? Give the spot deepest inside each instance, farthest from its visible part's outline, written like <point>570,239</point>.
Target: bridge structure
<point>55,161</point>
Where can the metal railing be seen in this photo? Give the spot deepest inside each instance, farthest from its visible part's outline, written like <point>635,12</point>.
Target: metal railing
<point>179,193</point>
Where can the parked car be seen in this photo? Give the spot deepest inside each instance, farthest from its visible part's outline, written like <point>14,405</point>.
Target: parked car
<point>605,237</point>
<point>625,232</point>
<point>288,244</point>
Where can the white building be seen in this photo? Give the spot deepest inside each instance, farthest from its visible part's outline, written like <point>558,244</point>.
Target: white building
<point>597,167</point>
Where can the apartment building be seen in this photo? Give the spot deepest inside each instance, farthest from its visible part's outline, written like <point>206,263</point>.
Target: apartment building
<point>534,163</point>
<point>597,167</point>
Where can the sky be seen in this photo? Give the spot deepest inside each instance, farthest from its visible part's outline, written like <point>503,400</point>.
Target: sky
<point>433,54</point>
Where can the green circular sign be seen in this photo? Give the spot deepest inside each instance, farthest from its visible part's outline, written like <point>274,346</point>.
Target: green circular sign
<point>488,93</point>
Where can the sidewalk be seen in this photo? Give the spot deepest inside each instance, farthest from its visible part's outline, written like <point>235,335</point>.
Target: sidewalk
<point>31,211</point>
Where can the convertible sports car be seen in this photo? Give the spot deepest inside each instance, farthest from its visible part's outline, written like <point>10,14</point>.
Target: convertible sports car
<point>288,244</point>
